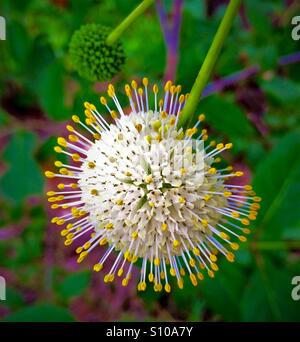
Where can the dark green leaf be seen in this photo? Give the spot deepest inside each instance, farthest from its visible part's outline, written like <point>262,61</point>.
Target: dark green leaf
<point>23,176</point>
<point>19,43</point>
<point>40,313</point>
<point>4,118</point>
<point>14,298</point>
<point>282,90</point>
<point>74,284</point>
<point>51,90</point>
<point>226,117</point>
<point>277,181</point>
<point>260,19</point>
<point>195,8</point>
<point>41,55</point>
<point>222,293</point>
<point>268,295</point>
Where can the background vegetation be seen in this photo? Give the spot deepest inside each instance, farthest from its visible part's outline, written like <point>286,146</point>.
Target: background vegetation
<point>253,101</point>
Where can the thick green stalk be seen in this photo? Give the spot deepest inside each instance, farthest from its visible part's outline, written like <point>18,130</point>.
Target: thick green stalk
<point>209,62</point>
<point>116,33</point>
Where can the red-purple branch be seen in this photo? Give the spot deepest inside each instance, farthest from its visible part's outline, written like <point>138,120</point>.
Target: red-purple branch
<point>171,32</point>
<point>239,76</point>
<point>13,230</point>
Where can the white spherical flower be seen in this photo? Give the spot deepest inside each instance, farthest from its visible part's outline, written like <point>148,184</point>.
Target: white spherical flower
<point>150,190</point>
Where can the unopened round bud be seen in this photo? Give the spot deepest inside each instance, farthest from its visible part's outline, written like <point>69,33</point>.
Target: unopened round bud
<point>92,58</point>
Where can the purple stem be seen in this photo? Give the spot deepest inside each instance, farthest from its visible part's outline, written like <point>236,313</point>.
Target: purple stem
<point>289,2</point>
<point>244,17</point>
<point>162,18</point>
<point>230,80</point>
<point>12,231</point>
<point>171,30</point>
<point>290,59</point>
<point>239,76</point>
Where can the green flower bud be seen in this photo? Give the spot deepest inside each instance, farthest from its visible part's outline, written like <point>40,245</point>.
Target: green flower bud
<point>92,57</point>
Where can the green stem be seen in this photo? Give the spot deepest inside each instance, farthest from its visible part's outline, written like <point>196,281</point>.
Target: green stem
<point>116,33</point>
<point>209,62</point>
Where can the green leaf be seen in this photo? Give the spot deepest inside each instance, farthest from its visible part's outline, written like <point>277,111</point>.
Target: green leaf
<point>226,117</point>
<point>267,296</point>
<point>252,307</point>
<point>150,297</point>
<point>74,284</point>
<point>42,154</point>
<point>185,299</point>
<point>282,90</point>
<point>40,313</point>
<point>277,181</point>
<point>265,56</point>
<point>222,294</point>
<point>23,176</point>
<point>195,8</point>
<point>291,233</point>
<point>196,310</point>
<point>41,56</point>
<point>30,248</point>
<point>14,298</point>
<point>4,117</point>
<point>260,19</point>
<point>78,11</point>
<point>188,301</point>
<point>16,5</point>
<point>255,153</point>
<point>19,44</point>
<point>51,91</point>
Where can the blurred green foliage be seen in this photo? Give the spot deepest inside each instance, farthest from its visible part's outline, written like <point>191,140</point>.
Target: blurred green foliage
<point>18,154</point>
<point>39,91</point>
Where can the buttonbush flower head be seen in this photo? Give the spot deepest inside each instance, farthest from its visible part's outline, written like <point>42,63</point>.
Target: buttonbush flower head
<point>117,194</point>
<point>92,57</point>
